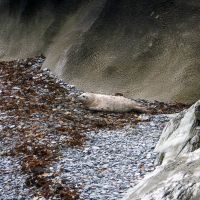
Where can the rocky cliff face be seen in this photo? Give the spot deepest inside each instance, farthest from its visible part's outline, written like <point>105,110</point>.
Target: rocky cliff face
<point>147,48</point>
<point>178,175</point>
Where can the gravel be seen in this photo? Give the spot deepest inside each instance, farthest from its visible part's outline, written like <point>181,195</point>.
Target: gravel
<point>12,181</point>
<point>113,161</point>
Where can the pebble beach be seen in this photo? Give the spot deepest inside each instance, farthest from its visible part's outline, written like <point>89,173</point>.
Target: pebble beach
<point>51,147</point>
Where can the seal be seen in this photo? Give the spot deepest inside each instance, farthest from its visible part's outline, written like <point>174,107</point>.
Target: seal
<point>101,102</point>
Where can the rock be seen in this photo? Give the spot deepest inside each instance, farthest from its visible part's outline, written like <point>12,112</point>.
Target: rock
<point>178,176</point>
<point>177,135</point>
<point>177,180</point>
<point>197,112</point>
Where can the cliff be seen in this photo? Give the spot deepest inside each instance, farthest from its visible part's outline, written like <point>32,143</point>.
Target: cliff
<point>143,49</point>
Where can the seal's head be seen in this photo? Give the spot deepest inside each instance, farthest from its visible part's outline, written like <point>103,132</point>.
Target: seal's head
<point>84,98</point>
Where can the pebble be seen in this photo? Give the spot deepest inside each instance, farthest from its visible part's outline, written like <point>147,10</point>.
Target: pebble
<point>114,162</point>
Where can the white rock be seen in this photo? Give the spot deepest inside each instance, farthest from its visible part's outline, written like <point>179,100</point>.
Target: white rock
<point>178,178</point>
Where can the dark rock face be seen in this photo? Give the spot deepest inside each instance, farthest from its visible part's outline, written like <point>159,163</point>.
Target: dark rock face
<point>147,48</point>
<point>197,113</point>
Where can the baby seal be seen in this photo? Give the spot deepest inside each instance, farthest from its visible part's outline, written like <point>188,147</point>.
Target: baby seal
<point>100,102</point>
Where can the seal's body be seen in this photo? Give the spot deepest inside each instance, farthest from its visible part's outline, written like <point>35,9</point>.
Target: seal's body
<point>100,102</point>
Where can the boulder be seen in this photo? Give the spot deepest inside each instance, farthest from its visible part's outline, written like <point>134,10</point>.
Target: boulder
<point>178,174</point>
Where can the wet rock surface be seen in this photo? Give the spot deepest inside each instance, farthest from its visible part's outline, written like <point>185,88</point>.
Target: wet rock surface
<point>52,148</point>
